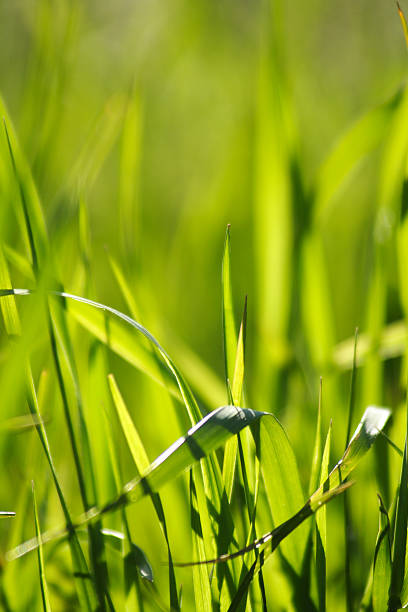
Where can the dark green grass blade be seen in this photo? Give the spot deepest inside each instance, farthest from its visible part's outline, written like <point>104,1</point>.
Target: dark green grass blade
<point>80,568</point>
<point>33,219</point>
<point>85,592</point>
<point>43,583</point>
<point>72,403</point>
<point>382,562</point>
<point>400,537</point>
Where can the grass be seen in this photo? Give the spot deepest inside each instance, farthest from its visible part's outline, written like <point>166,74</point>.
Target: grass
<point>165,441</point>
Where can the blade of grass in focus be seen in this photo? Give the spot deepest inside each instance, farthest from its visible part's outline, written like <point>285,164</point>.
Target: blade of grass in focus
<point>382,561</point>
<point>367,431</point>
<point>142,464</point>
<point>400,536</point>
<point>320,531</point>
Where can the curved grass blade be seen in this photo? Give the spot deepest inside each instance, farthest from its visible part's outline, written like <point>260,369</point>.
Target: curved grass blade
<point>202,378</point>
<point>373,420</point>
<point>85,592</point>
<point>206,436</point>
<point>382,562</point>
<point>40,553</point>
<point>403,23</point>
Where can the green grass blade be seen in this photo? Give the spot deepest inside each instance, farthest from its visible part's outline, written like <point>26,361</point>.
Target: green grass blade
<point>203,438</point>
<point>382,562</point>
<point>201,580</point>
<point>228,319</point>
<point>231,447</point>
<point>129,172</point>
<point>400,537</point>
<point>32,220</point>
<point>8,305</point>
<point>317,449</point>
<point>40,553</point>
<point>132,436</point>
<point>203,379</point>
<point>347,509</point>
<point>321,530</point>
<point>282,483</point>
<point>362,138</point>
<point>373,420</point>
<point>142,464</point>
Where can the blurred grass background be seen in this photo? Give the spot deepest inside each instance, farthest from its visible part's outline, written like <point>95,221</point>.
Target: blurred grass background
<point>149,126</point>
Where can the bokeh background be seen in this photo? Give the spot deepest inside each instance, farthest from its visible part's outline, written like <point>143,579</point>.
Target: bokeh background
<point>165,121</point>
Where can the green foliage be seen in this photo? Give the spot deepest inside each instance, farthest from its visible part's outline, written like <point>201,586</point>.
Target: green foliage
<point>132,134</point>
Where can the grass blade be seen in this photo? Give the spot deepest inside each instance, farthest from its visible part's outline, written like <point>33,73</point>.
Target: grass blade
<point>40,553</point>
<point>142,464</point>
<point>400,536</point>
<point>382,561</point>
<point>321,530</point>
<point>373,420</point>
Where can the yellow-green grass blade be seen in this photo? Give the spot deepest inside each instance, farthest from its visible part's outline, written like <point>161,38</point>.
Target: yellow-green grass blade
<point>400,536</point>
<point>81,572</point>
<point>40,553</point>
<point>133,439</point>
<point>392,343</point>
<point>141,461</point>
<point>228,319</point>
<point>203,438</point>
<point>231,447</point>
<point>347,509</point>
<point>129,172</point>
<point>98,145</point>
<point>19,262</point>
<point>201,578</point>
<point>382,561</point>
<point>320,532</point>
<point>362,138</point>
<point>282,483</point>
<point>8,305</point>
<point>203,379</point>
<point>67,377</point>
<point>85,593</point>
<point>133,598</point>
<point>188,398</point>
<point>273,208</point>
<point>373,420</point>
<point>211,472</point>
<point>32,219</point>
<point>317,449</point>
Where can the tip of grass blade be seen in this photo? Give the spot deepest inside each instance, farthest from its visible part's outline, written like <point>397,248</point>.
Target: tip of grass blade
<point>403,22</point>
